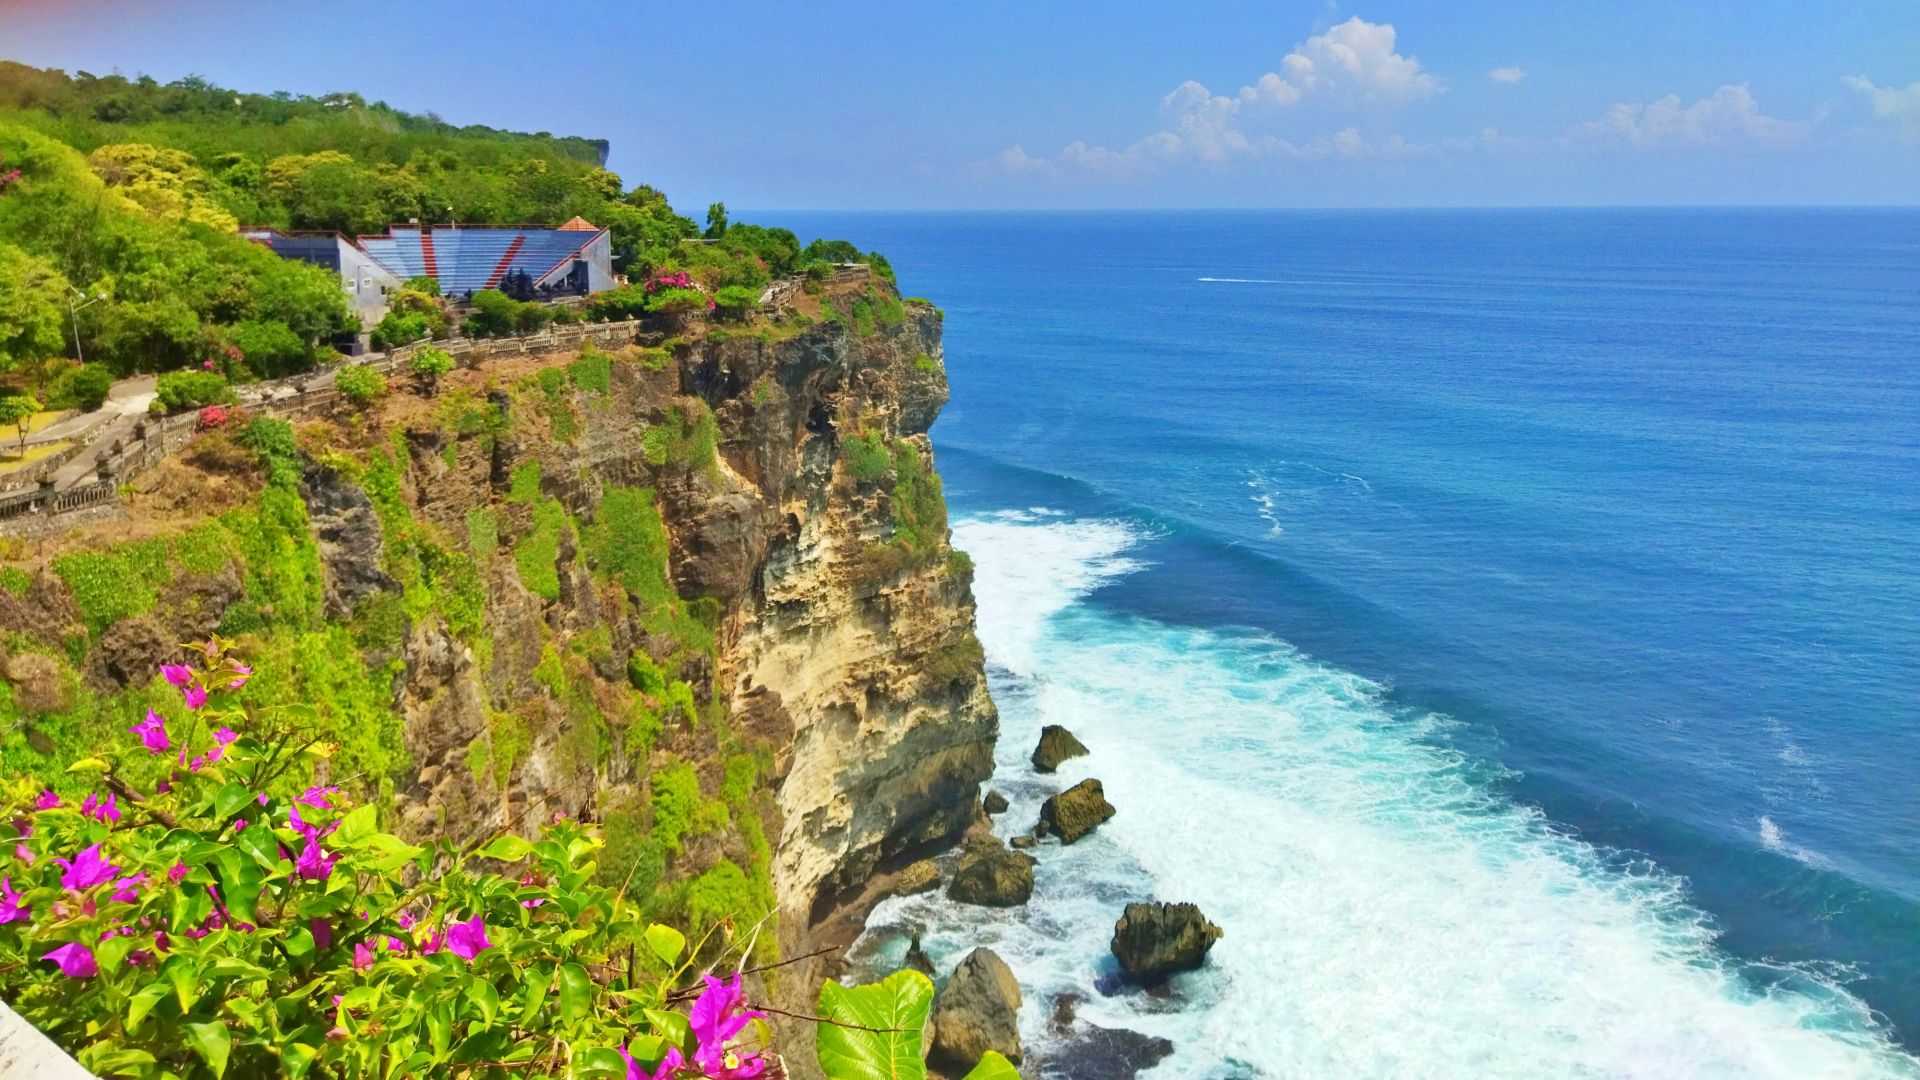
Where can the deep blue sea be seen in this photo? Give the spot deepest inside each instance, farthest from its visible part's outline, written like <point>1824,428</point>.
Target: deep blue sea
<point>1505,624</point>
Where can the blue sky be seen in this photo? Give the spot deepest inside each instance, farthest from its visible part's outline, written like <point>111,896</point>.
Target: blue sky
<point>1108,104</point>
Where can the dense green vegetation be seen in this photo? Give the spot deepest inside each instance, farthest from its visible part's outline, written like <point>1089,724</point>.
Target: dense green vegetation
<point>121,223</point>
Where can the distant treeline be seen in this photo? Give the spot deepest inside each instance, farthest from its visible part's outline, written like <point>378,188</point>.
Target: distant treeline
<point>132,189</point>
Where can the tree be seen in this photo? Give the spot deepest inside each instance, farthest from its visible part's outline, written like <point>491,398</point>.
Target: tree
<point>360,384</point>
<point>428,365</point>
<point>32,295</point>
<point>17,409</point>
<point>716,220</point>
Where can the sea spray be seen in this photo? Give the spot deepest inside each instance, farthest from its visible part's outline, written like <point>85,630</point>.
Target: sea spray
<point>1385,912</point>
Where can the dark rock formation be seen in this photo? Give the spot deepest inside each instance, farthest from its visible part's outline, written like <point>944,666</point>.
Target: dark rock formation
<point>1153,941</point>
<point>917,877</point>
<point>1092,1052</point>
<point>1076,811</point>
<point>994,803</point>
<point>347,531</point>
<point>978,1011</point>
<point>992,876</point>
<point>37,683</point>
<point>1024,841</point>
<point>1057,744</point>
<point>917,958</point>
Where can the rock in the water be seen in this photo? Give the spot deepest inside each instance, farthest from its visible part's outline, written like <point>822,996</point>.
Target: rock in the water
<point>917,877</point>
<point>992,876</point>
<point>917,958</point>
<point>1057,744</point>
<point>1024,841</point>
<point>995,803</point>
<point>1075,812</point>
<point>1153,941</point>
<point>978,1011</point>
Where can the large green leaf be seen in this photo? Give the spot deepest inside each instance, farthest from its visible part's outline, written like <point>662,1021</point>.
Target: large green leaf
<point>211,1041</point>
<point>666,943</point>
<point>875,1034</point>
<point>576,993</point>
<point>993,1067</point>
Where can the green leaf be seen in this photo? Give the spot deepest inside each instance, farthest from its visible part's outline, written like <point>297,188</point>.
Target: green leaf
<point>88,764</point>
<point>599,1061</point>
<point>259,842</point>
<point>106,1061</point>
<point>671,1026</point>
<point>230,800</point>
<point>110,953</point>
<point>143,1001</point>
<point>897,1006</point>
<point>507,848</point>
<point>536,994</point>
<point>297,1058</point>
<point>576,992</point>
<point>993,1067</point>
<point>185,978</point>
<point>211,1042</point>
<point>440,1029</point>
<point>486,999</point>
<point>666,943</point>
<point>357,827</point>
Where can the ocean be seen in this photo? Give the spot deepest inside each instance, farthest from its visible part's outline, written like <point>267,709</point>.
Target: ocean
<point>1504,624</point>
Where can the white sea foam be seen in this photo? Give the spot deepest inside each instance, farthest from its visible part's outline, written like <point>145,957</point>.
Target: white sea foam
<point>1384,915</point>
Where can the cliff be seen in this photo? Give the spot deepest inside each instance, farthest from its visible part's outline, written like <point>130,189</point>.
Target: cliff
<point>695,588</point>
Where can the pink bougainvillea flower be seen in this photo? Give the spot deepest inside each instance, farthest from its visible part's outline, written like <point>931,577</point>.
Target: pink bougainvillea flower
<point>670,1066</point>
<point>239,823</point>
<point>75,961</point>
<point>394,944</point>
<point>10,908</point>
<point>163,787</point>
<point>153,733</point>
<point>225,735</point>
<point>177,873</point>
<point>161,942</point>
<point>314,864</point>
<point>316,797</point>
<point>139,958</point>
<point>195,696</point>
<point>322,933</point>
<point>47,800</point>
<point>716,1018</point>
<point>431,944</point>
<point>180,675</point>
<point>125,889</point>
<point>100,810</point>
<point>85,870</point>
<point>241,673</point>
<point>467,940</point>
<point>23,853</point>
<point>406,920</point>
<point>362,957</point>
<point>261,798</point>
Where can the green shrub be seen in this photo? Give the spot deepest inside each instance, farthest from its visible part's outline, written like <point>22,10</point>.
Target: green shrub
<point>736,301</point>
<point>428,365</point>
<point>592,371</point>
<point>866,456</point>
<point>399,328</point>
<point>79,386</point>
<point>271,348</point>
<point>360,384</point>
<point>495,314</point>
<point>177,391</point>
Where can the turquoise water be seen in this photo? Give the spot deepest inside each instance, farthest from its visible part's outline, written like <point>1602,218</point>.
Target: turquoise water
<point>1505,624</point>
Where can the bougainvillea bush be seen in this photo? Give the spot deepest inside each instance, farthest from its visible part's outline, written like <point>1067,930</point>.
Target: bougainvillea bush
<point>181,906</point>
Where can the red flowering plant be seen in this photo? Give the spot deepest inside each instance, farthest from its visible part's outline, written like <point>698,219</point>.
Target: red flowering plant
<point>213,417</point>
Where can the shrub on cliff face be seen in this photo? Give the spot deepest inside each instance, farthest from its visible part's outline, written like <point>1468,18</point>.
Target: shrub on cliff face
<point>360,384</point>
<point>177,391</point>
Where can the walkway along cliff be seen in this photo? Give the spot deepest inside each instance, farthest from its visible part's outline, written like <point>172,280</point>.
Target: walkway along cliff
<point>697,588</point>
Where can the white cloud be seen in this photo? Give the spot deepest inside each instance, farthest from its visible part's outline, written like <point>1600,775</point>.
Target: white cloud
<point>1728,117</point>
<point>1891,102</point>
<point>1506,75</point>
<point>1356,59</point>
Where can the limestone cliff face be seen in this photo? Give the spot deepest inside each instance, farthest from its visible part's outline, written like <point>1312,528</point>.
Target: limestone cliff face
<point>842,646</point>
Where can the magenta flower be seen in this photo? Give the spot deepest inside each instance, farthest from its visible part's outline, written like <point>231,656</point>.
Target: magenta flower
<point>322,933</point>
<point>196,696</point>
<point>316,797</point>
<point>716,1018</point>
<point>153,733</point>
<point>431,944</point>
<point>103,811</point>
<point>10,909</point>
<point>180,675</point>
<point>75,961</point>
<point>125,889</point>
<point>241,673</point>
<point>47,800</point>
<point>362,957</point>
<point>177,873</point>
<point>23,853</point>
<point>406,920</point>
<point>161,942</point>
<point>467,940</point>
<point>86,870</point>
<point>224,736</point>
<point>314,864</point>
<point>394,944</point>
